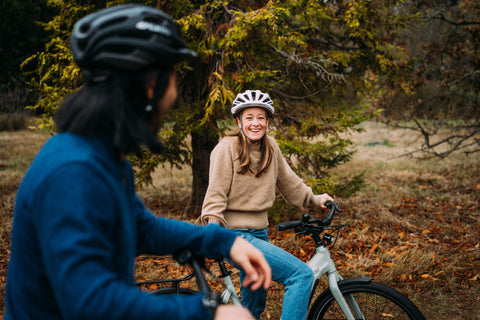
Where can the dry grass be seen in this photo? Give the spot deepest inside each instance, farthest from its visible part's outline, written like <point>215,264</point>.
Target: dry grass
<point>414,227</point>
<point>17,150</point>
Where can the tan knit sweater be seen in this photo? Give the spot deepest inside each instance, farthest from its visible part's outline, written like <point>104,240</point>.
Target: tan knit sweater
<point>237,200</point>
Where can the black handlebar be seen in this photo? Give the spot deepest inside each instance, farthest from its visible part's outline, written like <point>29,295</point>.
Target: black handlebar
<point>313,227</point>
<point>333,208</point>
<point>325,222</point>
<point>289,225</point>
<point>197,263</point>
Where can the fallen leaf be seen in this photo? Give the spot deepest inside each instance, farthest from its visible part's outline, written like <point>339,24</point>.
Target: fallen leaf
<point>426,275</point>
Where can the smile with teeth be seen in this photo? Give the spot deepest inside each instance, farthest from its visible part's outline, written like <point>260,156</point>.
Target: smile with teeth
<point>255,131</point>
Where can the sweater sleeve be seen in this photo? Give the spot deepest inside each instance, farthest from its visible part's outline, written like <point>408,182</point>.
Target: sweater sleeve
<point>292,187</point>
<point>219,183</point>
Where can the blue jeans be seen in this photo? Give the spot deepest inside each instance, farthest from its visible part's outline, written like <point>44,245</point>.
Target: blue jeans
<point>288,270</point>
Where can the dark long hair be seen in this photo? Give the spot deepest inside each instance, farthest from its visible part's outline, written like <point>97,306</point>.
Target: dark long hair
<point>114,104</point>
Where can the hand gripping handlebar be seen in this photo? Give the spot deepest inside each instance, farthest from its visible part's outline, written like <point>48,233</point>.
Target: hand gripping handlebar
<point>325,222</point>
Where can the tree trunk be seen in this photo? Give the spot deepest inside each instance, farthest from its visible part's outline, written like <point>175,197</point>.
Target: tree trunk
<point>203,141</point>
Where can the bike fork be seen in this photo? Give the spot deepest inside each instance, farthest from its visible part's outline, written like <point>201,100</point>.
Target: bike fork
<point>333,279</point>
<point>322,263</point>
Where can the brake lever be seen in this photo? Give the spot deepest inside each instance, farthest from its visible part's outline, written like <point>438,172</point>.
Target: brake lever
<point>300,233</point>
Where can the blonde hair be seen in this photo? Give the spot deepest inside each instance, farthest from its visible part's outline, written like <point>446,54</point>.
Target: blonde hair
<point>244,156</point>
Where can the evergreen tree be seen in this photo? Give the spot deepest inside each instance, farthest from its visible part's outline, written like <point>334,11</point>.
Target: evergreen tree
<point>310,56</point>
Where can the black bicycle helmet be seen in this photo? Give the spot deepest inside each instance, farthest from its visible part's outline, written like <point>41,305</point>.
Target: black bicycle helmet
<point>128,37</point>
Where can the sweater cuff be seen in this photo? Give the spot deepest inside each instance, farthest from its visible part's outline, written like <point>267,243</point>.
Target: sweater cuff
<point>214,220</point>
<point>316,202</point>
<point>208,219</point>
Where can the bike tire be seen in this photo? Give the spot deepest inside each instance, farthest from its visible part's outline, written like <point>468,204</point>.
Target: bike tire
<point>376,301</point>
<point>169,291</point>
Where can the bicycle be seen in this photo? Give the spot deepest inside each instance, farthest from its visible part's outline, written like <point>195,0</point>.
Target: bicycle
<point>351,299</point>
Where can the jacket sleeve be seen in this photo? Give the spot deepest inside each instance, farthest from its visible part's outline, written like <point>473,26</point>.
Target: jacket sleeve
<point>219,184</point>
<point>74,228</point>
<point>292,187</point>
<point>210,241</point>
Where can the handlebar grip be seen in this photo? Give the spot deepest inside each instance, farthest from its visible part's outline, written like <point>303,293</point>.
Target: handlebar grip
<point>186,256</point>
<point>288,225</point>
<point>333,207</point>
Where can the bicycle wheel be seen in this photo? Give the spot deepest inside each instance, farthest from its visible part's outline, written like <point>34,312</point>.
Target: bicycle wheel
<point>180,291</point>
<point>375,300</point>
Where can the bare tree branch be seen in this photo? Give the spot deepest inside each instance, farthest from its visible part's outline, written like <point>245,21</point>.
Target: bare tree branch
<point>316,64</point>
<point>465,141</point>
<point>441,16</point>
<point>465,77</point>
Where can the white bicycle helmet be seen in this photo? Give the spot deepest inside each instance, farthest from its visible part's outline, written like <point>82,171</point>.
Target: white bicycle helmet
<point>252,98</point>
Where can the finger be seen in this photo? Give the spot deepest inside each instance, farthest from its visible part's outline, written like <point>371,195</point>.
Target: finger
<point>267,273</point>
<point>264,274</point>
<point>324,198</point>
<point>249,280</point>
<point>255,285</point>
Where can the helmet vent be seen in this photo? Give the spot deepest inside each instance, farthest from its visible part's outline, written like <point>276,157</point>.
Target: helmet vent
<point>84,27</point>
<point>112,22</point>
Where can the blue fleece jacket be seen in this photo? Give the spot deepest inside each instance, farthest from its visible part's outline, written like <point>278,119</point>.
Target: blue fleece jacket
<point>78,225</point>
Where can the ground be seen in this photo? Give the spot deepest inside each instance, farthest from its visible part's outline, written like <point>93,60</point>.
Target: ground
<point>415,226</point>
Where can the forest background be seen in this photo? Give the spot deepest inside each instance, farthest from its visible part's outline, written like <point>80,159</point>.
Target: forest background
<point>329,66</point>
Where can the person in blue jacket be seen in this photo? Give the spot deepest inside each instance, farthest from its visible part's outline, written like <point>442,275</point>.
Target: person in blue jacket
<point>78,223</point>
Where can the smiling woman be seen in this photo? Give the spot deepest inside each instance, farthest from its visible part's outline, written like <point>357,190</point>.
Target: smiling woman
<point>246,169</point>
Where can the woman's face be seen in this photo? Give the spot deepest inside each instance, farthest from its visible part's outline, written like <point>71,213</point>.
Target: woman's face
<point>255,123</point>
